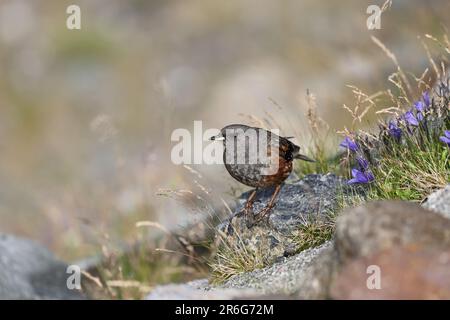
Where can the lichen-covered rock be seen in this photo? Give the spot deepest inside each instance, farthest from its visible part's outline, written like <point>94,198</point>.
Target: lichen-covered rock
<point>299,202</point>
<point>312,196</point>
<point>439,201</point>
<point>29,271</point>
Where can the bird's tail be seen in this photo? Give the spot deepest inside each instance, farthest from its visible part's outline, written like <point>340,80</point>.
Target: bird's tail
<point>303,157</point>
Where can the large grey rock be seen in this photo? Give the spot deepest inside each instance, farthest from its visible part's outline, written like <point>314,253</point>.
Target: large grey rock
<point>29,271</point>
<point>302,201</point>
<point>299,201</point>
<point>439,201</point>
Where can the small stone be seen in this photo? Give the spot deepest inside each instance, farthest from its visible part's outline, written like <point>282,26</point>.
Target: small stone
<point>439,202</point>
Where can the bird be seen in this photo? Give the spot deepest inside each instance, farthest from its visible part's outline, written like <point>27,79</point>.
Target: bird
<point>260,159</point>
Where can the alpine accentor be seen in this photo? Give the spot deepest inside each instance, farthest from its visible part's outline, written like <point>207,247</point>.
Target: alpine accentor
<point>258,158</point>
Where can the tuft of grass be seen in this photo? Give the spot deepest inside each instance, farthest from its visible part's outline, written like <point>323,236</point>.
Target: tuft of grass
<point>132,276</point>
<point>414,163</point>
<point>316,231</point>
<point>313,233</point>
<point>233,256</point>
<point>412,173</point>
<point>131,273</point>
<point>406,159</point>
<point>351,198</point>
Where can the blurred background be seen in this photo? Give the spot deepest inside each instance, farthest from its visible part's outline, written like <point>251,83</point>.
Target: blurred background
<point>86,115</point>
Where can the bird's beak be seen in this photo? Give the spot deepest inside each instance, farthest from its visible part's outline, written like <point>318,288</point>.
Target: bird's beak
<point>218,137</point>
<point>304,158</point>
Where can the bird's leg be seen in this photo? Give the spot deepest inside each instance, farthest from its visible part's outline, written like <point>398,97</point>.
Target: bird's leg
<point>270,205</point>
<point>248,209</point>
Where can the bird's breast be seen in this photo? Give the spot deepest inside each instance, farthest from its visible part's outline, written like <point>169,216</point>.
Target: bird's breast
<point>260,175</point>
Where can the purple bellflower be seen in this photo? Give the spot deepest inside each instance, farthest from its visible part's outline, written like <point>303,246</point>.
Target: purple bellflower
<point>349,144</point>
<point>419,116</point>
<point>426,99</point>
<point>361,177</point>
<point>420,106</point>
<point>394,130</point>
<point>363,174</point>
<point>446,137</point>
<point>363,163</point>
<point>411,119</point>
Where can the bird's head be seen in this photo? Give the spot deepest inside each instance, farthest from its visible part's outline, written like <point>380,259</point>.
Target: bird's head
<point>230,131</point>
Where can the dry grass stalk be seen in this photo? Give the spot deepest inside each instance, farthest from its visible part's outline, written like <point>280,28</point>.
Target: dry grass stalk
<point>401,74</point>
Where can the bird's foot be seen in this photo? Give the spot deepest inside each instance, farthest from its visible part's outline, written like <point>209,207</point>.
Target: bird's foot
<point>248,210</point>
<point>250,221</point>
<point>264,215</point>
<point>249,216</point>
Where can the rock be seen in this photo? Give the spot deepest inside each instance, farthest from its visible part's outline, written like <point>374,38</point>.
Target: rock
<point>198,290</point>
<point>312,196</point>
<point>299,202</point>
<point>29,271</point>
<point>375,226</point>
<point>439,202</point>
<point>409,272</point>
<point>305,275</point>
<point>409,244</point>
